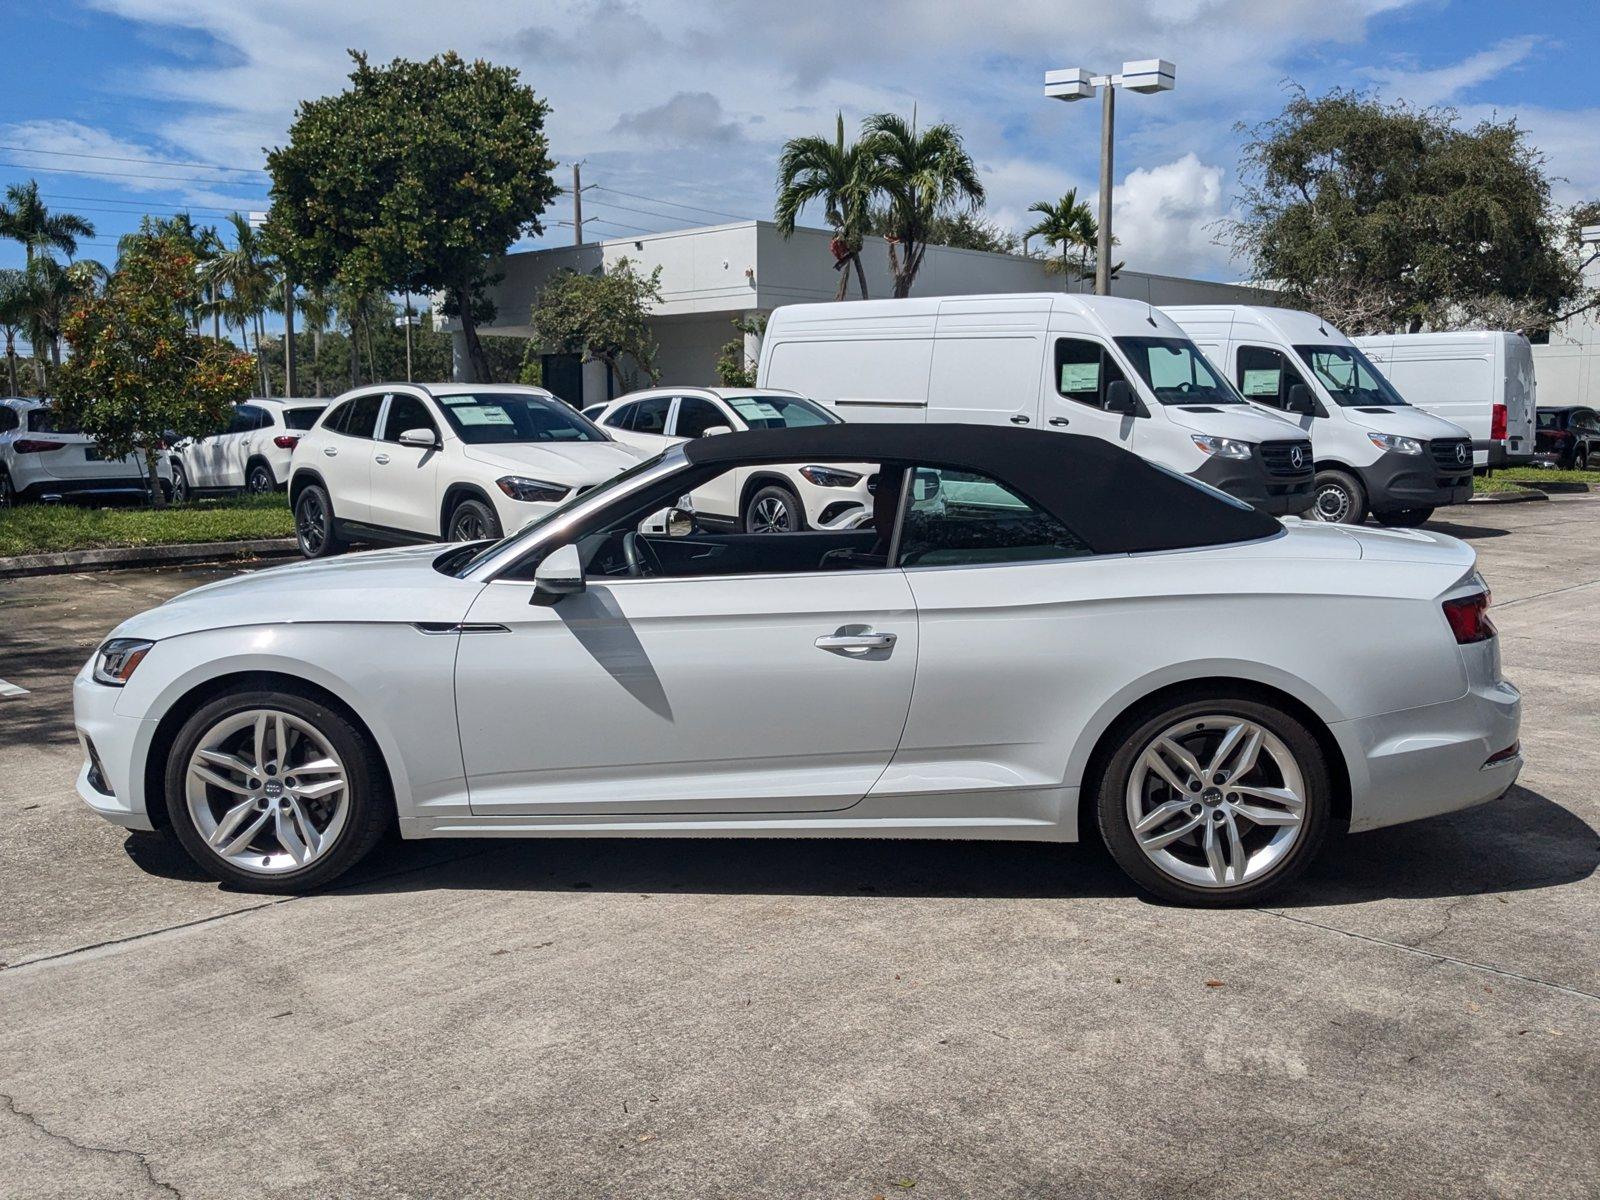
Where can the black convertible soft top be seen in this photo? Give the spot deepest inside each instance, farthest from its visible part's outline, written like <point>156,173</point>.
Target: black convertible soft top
<point>1114,500</point>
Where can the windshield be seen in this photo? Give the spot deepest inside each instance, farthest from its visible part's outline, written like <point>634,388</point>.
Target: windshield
<point>45,420</point>
<point>780,412</point>
<point>495,418</point>
<point>302,418</point>
<point>1549,419</point>
<point>463,569</point>
<point>1176,371</point>
<point>1350,377</point>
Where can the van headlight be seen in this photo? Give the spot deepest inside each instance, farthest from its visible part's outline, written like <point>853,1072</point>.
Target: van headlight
<point>534,491</point>
<point>1395,444</point>
<point>1221,447</point>
<point>117,660</point>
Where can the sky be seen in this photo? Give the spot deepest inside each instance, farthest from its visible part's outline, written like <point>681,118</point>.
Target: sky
<point>677,108</point>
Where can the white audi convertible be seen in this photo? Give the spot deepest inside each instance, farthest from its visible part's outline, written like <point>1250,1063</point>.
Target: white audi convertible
<point>1036,634</point>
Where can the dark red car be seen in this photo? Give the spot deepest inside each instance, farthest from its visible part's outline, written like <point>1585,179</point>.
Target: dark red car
<point>1568,438</point>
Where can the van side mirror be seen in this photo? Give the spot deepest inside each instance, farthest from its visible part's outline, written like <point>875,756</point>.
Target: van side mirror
<point>1120,398</point>
<point>560,574</point>
<point>1299,399</point>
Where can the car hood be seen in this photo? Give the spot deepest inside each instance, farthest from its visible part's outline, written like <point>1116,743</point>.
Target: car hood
<point>576,463</point>
<point>1242,422</point>
<point>1405,422</point>
<point>378,586</point>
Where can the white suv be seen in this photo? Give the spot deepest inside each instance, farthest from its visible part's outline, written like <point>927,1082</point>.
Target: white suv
<point>458,462</point>
<point>43,458</point>
<point>753,500</point>
<point>253,452</point>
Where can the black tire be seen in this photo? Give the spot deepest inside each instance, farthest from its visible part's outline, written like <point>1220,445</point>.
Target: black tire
<point>1338,498</point>
<point>1404,518</point>
<point>774,509</point>
<point>1137,735</point>
<point>8,493</point>
<point>314,523</point>
<point>1580,461</point>
<point>258,478</point>
<point>368,796</point>
<point>472,521</point>
<point>180,483</point>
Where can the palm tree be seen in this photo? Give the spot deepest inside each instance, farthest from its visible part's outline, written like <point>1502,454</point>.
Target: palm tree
<point>924,176</point>
<point>13,317</point>
<point>317,307</point>
<point>241,281</point>
<point>1069,225</point>
<point>843,177</point>
<point>24,218</point>
<point>49,292</point>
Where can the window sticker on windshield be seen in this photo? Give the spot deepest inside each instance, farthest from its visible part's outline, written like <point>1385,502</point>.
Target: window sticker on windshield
<point>1080,377</point>
<point>478,414</point>
<point>1260,383</point>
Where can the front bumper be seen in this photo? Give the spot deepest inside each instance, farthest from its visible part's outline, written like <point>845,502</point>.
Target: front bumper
<point>1247,479</point>
<point>116,790</point>
<point>1400,481</point>
<point>1421,762</point>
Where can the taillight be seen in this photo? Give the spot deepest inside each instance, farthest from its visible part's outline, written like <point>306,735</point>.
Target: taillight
<point>1469,618</point>
<point>1497,424</point>
<point>36,445</point>
<point>286,441</point>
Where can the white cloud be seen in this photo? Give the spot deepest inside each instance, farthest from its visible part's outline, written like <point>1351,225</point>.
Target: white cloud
<point>1443,84</point>
<point>1165,218</point>
<point>51,146</point>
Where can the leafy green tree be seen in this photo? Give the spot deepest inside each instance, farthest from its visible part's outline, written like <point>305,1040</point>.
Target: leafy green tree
<point>1388,216</point>
<point>923,175</point>
<point>841,176</point>
<point>734,368</point>
<point>1069,226</point>
<point>25,218</point>
<point>604,318</point>
<point>418,176</point>
<point>51,292</point>
<point>137,370</point>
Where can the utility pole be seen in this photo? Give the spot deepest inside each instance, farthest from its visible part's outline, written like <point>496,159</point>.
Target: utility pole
<point>577,204</point>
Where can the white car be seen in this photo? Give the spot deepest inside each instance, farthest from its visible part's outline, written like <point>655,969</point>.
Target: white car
<point>758,499</point>
<point>462,462</point>
<point>1078,638</point>
<point>252,453</point>
<point>41,458</point>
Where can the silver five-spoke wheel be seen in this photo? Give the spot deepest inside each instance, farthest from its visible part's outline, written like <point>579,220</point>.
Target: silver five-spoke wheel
<point>1216,801</point>
<point>267,791</point>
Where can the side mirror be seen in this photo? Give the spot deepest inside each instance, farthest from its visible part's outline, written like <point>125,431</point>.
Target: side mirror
<point>925,485</point>
<point>714,430</point>
<point>560,574</point>
<point>424,438</point>
<point>1120,398</point>
<point>1299,399</point>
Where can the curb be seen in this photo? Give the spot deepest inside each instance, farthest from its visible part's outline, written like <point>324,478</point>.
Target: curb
<point>1556,487</point>
<point>1509,497</point>
<point>119,558</point>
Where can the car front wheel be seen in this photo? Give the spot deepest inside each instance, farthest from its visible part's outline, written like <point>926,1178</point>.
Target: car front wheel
<point>314,525</point>
<point>1339,499</point>
<point>275,791</point>
<point>774,509</point>
<point>1215,802</point>
<point>1580,461</point>
<point>180,483</point>
<point>472,521</point>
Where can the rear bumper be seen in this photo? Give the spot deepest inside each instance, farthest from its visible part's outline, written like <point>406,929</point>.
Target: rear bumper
<point>1247,479</point>
<point>1421,762</point>
<point>46,488</point>
<point>1400,481</point>
<point>1496,455</point>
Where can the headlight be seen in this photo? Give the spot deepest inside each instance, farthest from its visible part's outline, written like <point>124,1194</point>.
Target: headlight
<point>117,660</point>
<point>828,477</point>
<point>535,491</point>
<point>1220,446</point>
<point>1395,443</point>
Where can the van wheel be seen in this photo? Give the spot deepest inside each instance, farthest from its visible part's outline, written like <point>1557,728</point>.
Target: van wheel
<point>314,524</point>
<point>1338,499</point>
<point>774,509</point>
<point>1404,518</point>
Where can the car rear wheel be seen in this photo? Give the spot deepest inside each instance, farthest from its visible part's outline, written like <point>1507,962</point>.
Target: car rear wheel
<point>314,525</point>
<point>258,479</point>
<point>1339,499</point>
<point>180,483</point>
<point>472,521</point>
<point>1215,801</point>
<point>774,509</point>
<point>1404,518</point>
<point>8,493</point>
<point>275,791</point>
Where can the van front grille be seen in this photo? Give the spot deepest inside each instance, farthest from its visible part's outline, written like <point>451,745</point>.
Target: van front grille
<point>1451,455</point>
<point>1279,458</point>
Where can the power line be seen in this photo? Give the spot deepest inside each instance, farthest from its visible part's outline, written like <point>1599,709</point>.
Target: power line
<point>94,171</point>
<point>669,203</point>
<point>641,212</point>
<point>157,162</point>
<point>188,208</point>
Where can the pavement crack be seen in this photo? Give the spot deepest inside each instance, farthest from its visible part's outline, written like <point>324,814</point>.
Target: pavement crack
<point>1435,955</point>
<point>1571,587</point>
<point>137,1156</point>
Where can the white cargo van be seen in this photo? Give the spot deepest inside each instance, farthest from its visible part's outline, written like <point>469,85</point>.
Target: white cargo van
<point>1375,453</point>
<point>1483,381</point>
<point>1099,366</point>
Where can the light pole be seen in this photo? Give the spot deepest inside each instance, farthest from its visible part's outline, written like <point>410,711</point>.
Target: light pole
<point>1074,83</point>
<point>408,322</point>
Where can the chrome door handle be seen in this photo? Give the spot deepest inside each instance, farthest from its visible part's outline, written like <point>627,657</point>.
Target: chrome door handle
<point>331,451</point>
<point>1059,421</point>
<point>382,458</point>
<point>854,643</point>
<point>1019,420</point>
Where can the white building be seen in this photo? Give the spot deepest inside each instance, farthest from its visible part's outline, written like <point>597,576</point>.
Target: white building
<point>714,275</point>
<point>1567,368</point>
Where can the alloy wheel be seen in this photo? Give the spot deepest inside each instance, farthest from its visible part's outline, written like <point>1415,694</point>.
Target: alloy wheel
<point>259,481</point>
<point>180,484</point>
<point>267,791</point>
<point>1333,504</point>
<point>1216,801</point>
<point>8,495</point>
<point>770,515</point>
<point>468,526</point>
<point>311,520</point>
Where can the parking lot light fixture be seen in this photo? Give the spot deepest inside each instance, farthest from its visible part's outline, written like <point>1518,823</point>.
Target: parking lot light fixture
<point>1074,83</point>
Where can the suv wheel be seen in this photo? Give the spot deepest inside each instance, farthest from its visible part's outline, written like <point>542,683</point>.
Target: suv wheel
<point>1215,801</point>
<point>1338,498</point>
<point>258,479</point>
<point>180,483</point>
<point>314,524</point>
<point>472,521</point>
<point>774,509</point>
<point>1580,460</point>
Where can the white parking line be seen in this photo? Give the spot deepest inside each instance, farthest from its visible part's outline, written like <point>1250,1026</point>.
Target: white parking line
<point>9,691</point>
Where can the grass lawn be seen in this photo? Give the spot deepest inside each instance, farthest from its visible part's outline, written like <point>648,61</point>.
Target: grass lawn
<point>44,528</point>
<point>1542,475</point>
<point>1498,485</point>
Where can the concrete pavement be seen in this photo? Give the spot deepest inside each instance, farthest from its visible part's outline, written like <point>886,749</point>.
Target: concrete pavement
<point>1420,1016</point>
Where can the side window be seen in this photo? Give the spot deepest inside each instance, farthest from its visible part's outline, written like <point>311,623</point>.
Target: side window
<point>958,518</point>
<point>246,419</point>
<point>363,419</point>
<point>696,414</point>
<point>8,418</point>
<point>651,416</point>
<point>1265,376</point>
<point>339,416</point>
<point>623,417</point>
<point>1083,369</point>
<point>1589,422</point>
<point>407,412</point>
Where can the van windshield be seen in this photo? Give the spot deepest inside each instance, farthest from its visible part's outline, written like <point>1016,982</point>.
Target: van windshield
<point>1176,371</point>
<point>1350,377</point>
